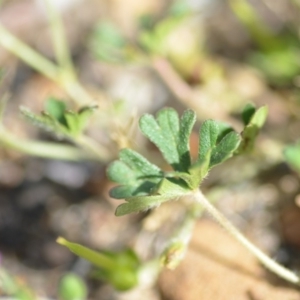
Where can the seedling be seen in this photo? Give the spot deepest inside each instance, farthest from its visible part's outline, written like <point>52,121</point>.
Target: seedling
<point>145,186</point>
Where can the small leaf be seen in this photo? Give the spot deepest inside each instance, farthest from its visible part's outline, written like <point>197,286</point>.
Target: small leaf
<point>98,259</point>
<point>56,109</point>
<point>252,129</point>
<point>163,133</point>
<point>224,149</point>
<point>135,173</point>
<point>167,190</point>
<point>84,115</point>
<point>72,123</point>
<point>208,137</point>
<point>43,121</point>
<point>247,113</point>
<point>170,135</point>
<point>72,287</point>
<point>119,269</point>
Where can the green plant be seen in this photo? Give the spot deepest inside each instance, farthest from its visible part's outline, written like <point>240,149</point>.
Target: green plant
<point>281,48</point>
<point>144,185</point>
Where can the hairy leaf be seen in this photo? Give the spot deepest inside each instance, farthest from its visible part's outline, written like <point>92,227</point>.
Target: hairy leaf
<point>135,173</point>
<point>207,138</point>
<point>170,135</point>
<point>224,149</point>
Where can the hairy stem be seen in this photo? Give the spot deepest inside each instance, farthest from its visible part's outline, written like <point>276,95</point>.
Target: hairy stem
<point>269,263</point>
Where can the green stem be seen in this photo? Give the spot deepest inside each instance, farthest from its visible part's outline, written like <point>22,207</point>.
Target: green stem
<point>41,149</point>
<point>28,55</point>
<point>61,48</point>
<point>269,263</point>
<point>262,35</point>
<point>63,77</point>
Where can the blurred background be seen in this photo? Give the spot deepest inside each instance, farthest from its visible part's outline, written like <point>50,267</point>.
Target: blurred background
<point>129,58</point>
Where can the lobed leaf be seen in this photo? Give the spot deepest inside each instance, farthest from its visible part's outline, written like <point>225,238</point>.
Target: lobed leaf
<point>163,133</point>
<point>135,173</point>
<point>224,149</point>
<point>170,135</point>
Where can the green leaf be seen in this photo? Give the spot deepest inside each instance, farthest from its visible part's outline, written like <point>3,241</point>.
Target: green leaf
<point>57,119</point>
<point>188,120</point>
<point>247,113</point>
<point>218,141</point>
<point>166,191</point>
<point>170,135</point>
<point>224,149</point>
<point>135,173</point>
<point>119,269</point>
<point>252,129</point>
<point>208,136</point>
<point>72,287</point>
<point>84,114</point>
<point>43,121</point>
<point>56,109</point>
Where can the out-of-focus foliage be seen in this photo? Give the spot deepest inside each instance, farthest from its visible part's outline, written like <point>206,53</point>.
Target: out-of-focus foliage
<point>58,119</point>
<point>72,287</point>
<point>120,269</point>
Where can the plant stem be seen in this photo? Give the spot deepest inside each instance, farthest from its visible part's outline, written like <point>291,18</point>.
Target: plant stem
<point>42,149</point>
<point>28,55</point>
<point>64,77</point>
<point>61,48</point>
<point>261,256</point>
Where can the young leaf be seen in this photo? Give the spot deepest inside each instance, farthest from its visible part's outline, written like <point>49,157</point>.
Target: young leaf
<point>224,149</point>
<point>56,109</point>
<point>166,191</point>
<point>119,269</point>
<point>207,138</point>
<point>135,173</point>
<point>252,129</point>
<point>57,119</point>
<point>43,121</point>
<point>170,135</point>
<point>217,142</point>
<point>247,113</point>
